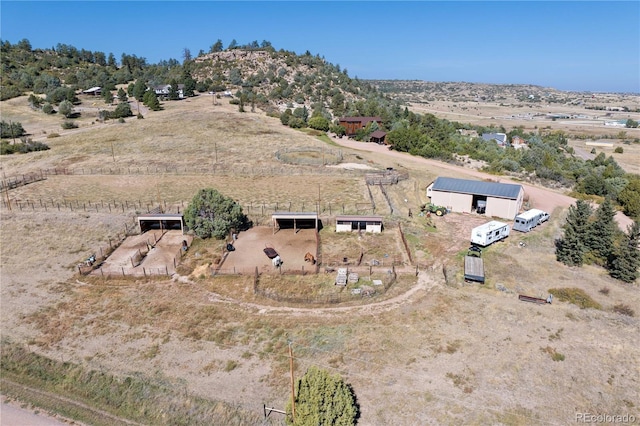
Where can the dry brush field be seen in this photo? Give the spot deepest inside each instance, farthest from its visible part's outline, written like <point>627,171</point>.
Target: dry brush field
<point>430,351</point>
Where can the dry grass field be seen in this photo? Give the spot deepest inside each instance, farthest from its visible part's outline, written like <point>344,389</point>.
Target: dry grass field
<point>429,351</point>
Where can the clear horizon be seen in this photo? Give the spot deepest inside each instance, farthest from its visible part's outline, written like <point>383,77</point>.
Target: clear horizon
<point>589,46</point>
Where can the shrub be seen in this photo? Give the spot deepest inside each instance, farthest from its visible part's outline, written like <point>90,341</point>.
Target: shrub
<point>27,145</point>
<point>623,309</point>
<point>53,135</point>
<point>618,150</point>
<point>576,296</point>
<point>69,125</point>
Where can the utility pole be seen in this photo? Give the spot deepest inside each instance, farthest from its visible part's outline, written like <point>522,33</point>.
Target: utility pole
<point>293,386</point>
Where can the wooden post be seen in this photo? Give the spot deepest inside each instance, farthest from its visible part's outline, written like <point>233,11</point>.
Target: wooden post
<point>293,385</point>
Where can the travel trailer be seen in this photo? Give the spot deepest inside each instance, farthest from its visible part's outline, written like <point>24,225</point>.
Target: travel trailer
<point>528,220</point>
<point>489,233</point>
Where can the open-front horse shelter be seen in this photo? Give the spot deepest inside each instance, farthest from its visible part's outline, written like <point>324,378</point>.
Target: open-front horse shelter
<point>295,220</point>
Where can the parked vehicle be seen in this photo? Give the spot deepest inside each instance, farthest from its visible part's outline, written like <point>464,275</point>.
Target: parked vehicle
<point>432,208</point>
<point>528,220</point>
<point>489,233</point>
<point>474,265</point>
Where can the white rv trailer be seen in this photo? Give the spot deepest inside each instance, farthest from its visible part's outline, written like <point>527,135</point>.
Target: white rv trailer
<point>488,233</point>
<point>528,220</point>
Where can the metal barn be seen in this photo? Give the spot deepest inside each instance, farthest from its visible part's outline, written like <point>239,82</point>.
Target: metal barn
<point>502,200</point>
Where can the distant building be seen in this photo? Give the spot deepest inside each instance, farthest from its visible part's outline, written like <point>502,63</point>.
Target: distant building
<point>162,91</point>
<point>353,124</point>
<point>518,143</point>
<point>500,138</point>
<point>94,91</point>
<point>378,137</point>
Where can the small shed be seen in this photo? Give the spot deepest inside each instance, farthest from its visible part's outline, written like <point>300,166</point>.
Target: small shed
<point>359,223</point>
<point>295,220</point>
<point>160,221</point>
<point>378,137</point>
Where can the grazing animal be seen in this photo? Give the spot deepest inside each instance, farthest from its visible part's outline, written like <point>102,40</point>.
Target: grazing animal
<point>309,258</point>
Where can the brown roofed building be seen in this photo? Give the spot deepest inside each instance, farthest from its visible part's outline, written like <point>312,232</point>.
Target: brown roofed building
<point>353,124</point>
<point>378,137</point>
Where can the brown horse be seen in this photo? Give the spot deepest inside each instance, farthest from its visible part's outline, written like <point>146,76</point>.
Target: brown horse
<point>309,258</point>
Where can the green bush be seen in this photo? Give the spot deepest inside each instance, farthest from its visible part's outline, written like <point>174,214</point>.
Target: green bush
<point>576,296</point>
<point>618,150</point>
<point>27,145</point>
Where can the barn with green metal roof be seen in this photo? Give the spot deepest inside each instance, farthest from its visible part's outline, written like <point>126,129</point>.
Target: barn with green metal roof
<point>493,199</point>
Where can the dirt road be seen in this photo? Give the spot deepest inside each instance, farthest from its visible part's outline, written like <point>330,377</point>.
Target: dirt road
<point>542,198</point>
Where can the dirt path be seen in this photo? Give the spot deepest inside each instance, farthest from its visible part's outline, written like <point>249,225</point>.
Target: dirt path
<point>425,282</point>
<point>542,198</point>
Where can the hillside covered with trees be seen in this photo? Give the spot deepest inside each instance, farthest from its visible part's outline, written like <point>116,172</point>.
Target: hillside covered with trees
<point>303,91</point>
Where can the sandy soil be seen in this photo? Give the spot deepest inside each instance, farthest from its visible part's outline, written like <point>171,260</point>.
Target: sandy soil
<point>159,250</point>
<point>290,245</point>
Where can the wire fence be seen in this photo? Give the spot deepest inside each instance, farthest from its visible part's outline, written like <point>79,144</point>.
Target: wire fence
<point>260,211</point>
<point>216,169</point>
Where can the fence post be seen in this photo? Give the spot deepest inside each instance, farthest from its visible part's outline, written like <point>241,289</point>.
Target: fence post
<point>166,269</point>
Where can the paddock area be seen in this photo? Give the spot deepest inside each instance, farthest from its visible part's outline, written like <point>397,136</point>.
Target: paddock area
<point>154,252</point>
<point>291,245</point>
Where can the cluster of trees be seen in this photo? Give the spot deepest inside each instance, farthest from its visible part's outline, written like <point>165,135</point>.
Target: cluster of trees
<point>25,145</point>
<point>11,130</point>
<point>594,237</point>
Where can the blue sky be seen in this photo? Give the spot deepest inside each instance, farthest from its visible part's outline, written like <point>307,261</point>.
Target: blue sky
<point>574,45</point>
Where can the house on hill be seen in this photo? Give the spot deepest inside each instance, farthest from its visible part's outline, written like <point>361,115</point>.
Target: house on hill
<point>353,124</point>
<point>94,91</point>
<point>465,196</point>
<point>162,91</point>
<point>500,138</point>
<point>518,143</point>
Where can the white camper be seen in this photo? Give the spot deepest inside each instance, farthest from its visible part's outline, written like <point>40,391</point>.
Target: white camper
<point>528,220</point>
<point>488,233</point>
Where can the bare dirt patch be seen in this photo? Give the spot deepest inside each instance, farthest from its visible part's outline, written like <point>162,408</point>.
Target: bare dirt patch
<point>152,253</point>
<point>290,245</point>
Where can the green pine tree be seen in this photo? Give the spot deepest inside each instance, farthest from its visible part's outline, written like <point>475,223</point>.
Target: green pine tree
<point>626,259</point>
<point>211,214</point>
<point>122,95</point>
<point>602,232</point>
<point>571,248</point>
<point>173,90</point>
